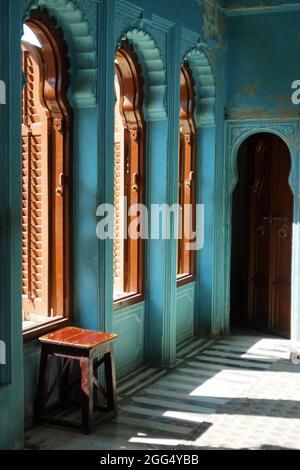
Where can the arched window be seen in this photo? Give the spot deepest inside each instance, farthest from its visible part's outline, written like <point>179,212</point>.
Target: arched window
<point>187,176</point>
<point>129,185</point>
<point>46,176</point>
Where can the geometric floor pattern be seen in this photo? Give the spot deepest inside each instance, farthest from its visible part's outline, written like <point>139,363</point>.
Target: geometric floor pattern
<point>265,416</point>
<point>235,392</point>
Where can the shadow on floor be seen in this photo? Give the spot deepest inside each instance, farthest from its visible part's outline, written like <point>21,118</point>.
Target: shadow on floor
<point>164,408</point>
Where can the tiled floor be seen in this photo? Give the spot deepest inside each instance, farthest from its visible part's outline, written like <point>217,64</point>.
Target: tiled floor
<point>236,392</point>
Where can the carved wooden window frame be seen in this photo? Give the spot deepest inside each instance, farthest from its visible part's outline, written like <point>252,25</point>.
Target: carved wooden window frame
<point>129,76</point>
<point>186,258</point>
<point>54,82</point>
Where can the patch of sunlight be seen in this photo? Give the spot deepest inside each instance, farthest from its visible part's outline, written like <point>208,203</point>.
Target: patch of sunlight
<point>254,355</point>
<point>212,391</point>
<point>30,37</point>
<point>272,347</point>
<point>158,441</point>
<point>193,417</point>
<point>218,387</point>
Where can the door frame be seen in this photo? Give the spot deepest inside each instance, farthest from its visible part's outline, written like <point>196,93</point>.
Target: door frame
<point>236,133</point>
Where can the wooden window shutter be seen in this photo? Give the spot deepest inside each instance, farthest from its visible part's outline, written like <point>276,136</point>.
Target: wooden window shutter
<point>130,135</point>
<point>35,189</point>
<point>118,195</point>
<point>46,178</point>
<point>187,175</point>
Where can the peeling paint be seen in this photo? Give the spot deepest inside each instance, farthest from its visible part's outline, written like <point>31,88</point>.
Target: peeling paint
<point>243,7</point>
<point>263,113</point>
<point>222,25</point>
<point>262,65</point>
<point>213,20</point>
<point>283,98</point>
<point>249,89</point>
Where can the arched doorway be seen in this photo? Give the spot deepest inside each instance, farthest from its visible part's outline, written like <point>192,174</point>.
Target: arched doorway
<point>262,221</point>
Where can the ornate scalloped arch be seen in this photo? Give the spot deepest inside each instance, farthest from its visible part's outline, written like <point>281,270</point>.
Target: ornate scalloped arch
<point>205,87</point>
<point>154,74</point>
<point>240,134</point>
<point>82,50</point>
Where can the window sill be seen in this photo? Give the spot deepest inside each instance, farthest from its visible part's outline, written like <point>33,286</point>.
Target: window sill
<point>36,331</point>
<point>128,301</point>
<point>185,279</point>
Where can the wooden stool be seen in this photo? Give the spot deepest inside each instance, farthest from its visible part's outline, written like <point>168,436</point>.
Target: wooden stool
<point>91,349</point>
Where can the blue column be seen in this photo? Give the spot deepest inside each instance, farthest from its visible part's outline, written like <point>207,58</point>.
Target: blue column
<point>205,196</point>
<point>161,277</point>
<point>11,395</point>
<point>106,156</point>
<point>85,259</point>
<point>162,188</point>
<point>5,323</point>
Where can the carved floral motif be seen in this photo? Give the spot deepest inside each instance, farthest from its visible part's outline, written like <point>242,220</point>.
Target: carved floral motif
<point>286,130</point>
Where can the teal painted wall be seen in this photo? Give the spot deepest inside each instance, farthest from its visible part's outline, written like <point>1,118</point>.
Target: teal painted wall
<point>11,380</point>
<point>252,59</point>
<point>86,271</point>
<point>162,36</point>
<point>31,358</point>
<point>206,188</point>
<point>185,312</point>
<point>262,64</point>
<point>187,14</point>
<point>129,324</point>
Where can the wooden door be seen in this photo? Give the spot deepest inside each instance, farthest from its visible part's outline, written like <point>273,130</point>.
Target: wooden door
<point>270,236</point>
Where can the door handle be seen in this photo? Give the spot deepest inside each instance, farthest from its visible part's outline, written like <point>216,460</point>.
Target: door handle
<point>59,191</point>
<point>261,229</point>
<point>60,188</point>
<point>283,231</point>
<point>135,183</point>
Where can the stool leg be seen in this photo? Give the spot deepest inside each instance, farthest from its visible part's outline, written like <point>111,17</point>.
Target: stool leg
<point>87,388</point>
<point>64,384</point>
<point>43,382</point>
<point>110,378</point>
